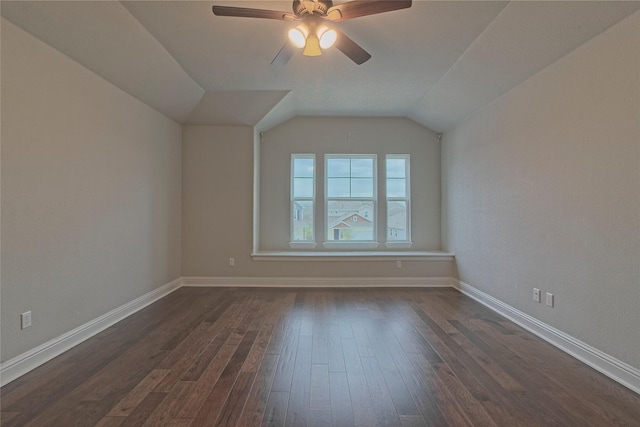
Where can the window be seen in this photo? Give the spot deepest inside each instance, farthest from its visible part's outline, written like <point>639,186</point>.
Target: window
<point>349,202</point>
<point>350,197</point>
<point>398,197</point>
<point>302,197</point>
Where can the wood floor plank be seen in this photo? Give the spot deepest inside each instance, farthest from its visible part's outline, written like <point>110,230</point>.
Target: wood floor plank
<point>138,394</point>
<point>299,397</point>
<point>384,409</point>
<point>216,399</point>
<point>319,395</point>
<point>341,407</point>
<point>254,358</point>
<point>276,410</point>
<point>111,422</point>
<point>198,391</point>
<point>235,403</point>
<point>320,343</point>
<point>287,359</point>
<point>472,407</point>
<point>361,402</point>
<point>335,354</point>
<point>141,413</point>
<point>383,339</point>
<point>420,383</point>
<point>316,357</point>
<point>411,421</point>
<point>469,342</point>
<point>255,407</point>
<point>199,364</point>
<point>175,400</point>
<point>320,418</point>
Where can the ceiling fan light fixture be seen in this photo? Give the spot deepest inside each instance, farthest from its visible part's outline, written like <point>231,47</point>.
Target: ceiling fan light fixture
<point>298,36</point>
<point>312,48</point>
<point>327,37</point>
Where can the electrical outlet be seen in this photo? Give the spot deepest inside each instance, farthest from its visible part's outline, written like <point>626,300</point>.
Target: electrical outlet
<point>25,320</point>
<point>550,299</point>
<point>536,294</point>
<point>232,262</point>
<point>398,264</point>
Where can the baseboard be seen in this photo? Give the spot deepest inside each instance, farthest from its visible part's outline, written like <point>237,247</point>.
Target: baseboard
<point>20,365</point>
<point>320,282</point>
<point>615,369</point>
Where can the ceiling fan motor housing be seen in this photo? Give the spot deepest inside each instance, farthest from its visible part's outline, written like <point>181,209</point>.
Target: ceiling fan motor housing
<point>304,7</point>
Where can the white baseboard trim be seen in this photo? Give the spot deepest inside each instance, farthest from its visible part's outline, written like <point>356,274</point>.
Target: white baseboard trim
<point>23,363</point>
<point>615,369</point>
<point>319,282</point>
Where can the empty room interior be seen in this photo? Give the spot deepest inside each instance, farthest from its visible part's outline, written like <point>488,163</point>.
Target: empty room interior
<point>347,213</point>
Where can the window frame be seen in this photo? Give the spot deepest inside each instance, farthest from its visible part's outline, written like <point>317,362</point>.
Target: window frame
<point>406,243</point>
<point>351,244</point>
<point>302,244</point>
<point>380,182</point>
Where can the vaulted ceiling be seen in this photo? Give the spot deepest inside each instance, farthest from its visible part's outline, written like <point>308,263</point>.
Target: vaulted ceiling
<point>436,62</point>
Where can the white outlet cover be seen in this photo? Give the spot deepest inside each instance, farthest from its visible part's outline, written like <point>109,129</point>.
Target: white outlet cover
<point>25,320</point>
<point>536,294</point>
<point>549,299</point>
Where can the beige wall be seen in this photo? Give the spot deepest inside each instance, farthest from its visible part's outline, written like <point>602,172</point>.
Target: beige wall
<point>542,189</point>
<point>218,214</point>
<point>324,135</point>
<point>90,194</point>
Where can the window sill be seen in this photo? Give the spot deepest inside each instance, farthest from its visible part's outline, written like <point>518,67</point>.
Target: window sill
<point>353,256</point>
<point>350,245</point>
<point>398,245</point>
<point>302,245</point>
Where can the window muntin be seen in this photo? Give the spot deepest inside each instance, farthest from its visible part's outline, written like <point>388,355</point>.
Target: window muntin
<point>398,198</point>
<point>302,197</point>
<point>350,198</point>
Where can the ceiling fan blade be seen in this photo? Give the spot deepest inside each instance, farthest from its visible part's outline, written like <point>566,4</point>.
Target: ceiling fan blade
<point>284,55</point>
<point>244,12</point>
<point>357,8</point>
<point>352,49</point>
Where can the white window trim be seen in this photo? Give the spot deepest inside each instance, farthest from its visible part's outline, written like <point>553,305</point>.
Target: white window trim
<point>338,246</point>
<point>299,244</point>
<point>399,244</point>
<point>302,244</point>
<point>351,244</point>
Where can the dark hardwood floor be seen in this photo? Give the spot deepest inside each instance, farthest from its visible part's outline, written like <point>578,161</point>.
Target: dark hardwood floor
<point>316,357</point>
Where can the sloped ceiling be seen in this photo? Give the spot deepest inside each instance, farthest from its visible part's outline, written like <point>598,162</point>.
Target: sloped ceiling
<point>435,63</point>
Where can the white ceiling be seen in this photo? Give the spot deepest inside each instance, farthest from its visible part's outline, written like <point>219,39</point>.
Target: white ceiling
<point>436,62</point>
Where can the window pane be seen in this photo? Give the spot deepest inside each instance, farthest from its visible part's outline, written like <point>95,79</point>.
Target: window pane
<point>302,218</point>
<point>303,168</point>
<point>338,187</point>
<point>362,168</point>
<point>397,221</point>
<point>396,187</point>
<point>396,168</point>
<point>302,187</point>
<point>338,168</point>
<point>349,220</point>
<point>361,187</point>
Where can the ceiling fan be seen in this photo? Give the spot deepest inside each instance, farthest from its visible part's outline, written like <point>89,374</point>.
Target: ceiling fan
<point>312,34</point>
